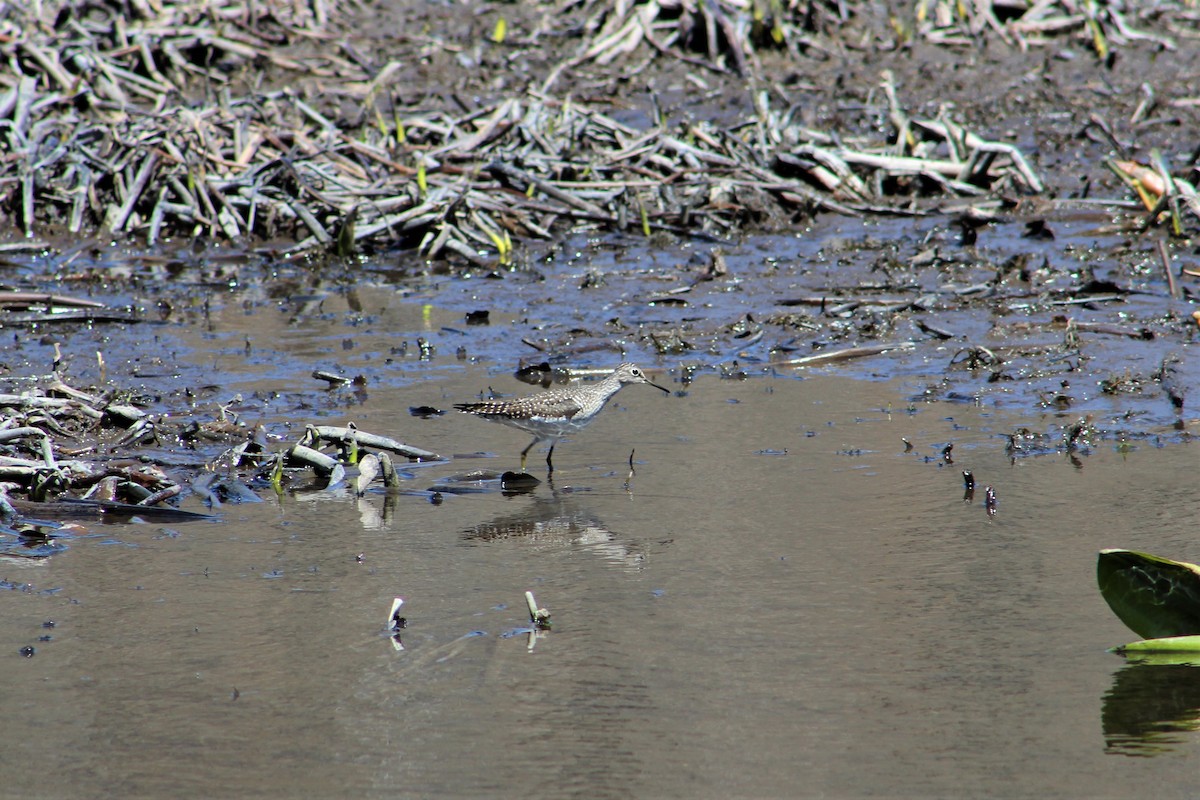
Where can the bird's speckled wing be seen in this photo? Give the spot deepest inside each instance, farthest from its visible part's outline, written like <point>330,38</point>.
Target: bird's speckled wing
<point>555,404</point>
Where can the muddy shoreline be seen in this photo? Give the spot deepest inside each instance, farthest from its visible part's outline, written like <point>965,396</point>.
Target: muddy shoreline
<point>939,198</point>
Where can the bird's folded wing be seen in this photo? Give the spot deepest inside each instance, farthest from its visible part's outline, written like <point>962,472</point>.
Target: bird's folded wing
<point>565,407</point>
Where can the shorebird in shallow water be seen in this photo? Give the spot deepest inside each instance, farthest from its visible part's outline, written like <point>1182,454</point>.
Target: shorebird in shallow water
<point>554,414</point>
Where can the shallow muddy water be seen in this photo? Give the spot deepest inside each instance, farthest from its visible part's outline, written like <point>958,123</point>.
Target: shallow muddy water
<point>781,601</point>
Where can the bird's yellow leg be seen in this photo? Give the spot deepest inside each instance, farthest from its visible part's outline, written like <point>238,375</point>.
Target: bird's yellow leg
<point>525,453</point>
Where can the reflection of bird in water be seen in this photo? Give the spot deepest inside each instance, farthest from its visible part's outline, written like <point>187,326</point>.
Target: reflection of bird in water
<point>549,525</point>
<point>556,413</point>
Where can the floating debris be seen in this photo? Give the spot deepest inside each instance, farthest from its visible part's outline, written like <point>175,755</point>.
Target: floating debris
<point>540,617</point>
<point>59,456</point>
<point>331,378</point>
<point>368,469</point>
<point>339,435</point>
<point>1170,378</point>
<point>395,621</point>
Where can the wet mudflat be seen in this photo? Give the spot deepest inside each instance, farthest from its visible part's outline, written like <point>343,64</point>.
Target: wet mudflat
<point>780,601</point>
<point>783,598</point>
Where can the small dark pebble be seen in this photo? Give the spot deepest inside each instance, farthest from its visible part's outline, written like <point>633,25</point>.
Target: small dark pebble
<point>436,498</point>
<point>540,373</point>
<point>1038,229</point>
<point>48,623</point>
<point>27,651</point>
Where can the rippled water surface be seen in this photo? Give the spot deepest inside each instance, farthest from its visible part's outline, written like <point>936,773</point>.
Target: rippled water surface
<point>780,601</point>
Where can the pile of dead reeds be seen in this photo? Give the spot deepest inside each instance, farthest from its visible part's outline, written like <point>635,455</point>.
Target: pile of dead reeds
<point>88,449</point>
<point>729,35</point>
<point>148,123</point>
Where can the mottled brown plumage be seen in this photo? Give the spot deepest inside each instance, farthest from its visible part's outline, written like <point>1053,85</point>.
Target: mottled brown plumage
<point>553,414</point>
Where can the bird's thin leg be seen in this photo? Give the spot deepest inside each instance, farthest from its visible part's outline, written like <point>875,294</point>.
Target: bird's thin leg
<point>525,452</point>
<point>550,463</point>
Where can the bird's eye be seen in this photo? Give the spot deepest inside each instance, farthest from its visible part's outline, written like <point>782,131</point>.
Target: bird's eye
<point>635,372</point>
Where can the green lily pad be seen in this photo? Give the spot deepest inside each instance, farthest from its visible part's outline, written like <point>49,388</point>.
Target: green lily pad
<point>1182,651</point>
<point>1156,597</point>
<point>1167,644</point>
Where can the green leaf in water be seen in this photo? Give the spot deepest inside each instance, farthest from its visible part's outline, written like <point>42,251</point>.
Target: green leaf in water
<point>1167,644</point>
<point>1156,597</point>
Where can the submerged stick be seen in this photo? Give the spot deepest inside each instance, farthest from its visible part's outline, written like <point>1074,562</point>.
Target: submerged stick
<point>844,354</point>
<point>1172,285</point>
